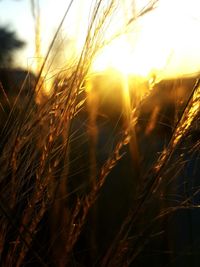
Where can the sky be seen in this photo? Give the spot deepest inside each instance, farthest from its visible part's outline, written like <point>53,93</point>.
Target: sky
<point>166,40</point>
<point>18,16</point>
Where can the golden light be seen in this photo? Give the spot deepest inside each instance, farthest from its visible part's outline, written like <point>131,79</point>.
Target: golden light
<point>164,41</point>
<point>139,59</point>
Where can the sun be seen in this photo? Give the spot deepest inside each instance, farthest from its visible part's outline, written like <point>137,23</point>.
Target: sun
<point>165,42</point>
<point>139,55</point>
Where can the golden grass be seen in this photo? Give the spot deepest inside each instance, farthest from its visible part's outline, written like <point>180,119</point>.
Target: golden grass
<point>36,175</point>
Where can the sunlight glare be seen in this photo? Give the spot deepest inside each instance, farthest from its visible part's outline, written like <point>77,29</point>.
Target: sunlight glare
<point>163,42</point>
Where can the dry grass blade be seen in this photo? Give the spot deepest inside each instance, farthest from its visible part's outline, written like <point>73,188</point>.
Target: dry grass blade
<point>58,156</point>
<point>155,178</point>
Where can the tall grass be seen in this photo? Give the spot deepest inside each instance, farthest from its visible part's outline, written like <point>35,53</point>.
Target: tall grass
<point>63,162</point>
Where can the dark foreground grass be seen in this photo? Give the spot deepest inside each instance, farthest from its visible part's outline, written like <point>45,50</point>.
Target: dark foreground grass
<point>86,181</point>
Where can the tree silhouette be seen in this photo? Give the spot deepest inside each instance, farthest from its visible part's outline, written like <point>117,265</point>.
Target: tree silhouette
<point>9,43</point>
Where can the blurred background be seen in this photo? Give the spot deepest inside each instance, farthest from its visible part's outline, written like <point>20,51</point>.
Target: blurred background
<point>165,41</point>
<point>126,92</point>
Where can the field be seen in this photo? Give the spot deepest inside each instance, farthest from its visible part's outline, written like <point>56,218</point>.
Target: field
<point>104,169</point>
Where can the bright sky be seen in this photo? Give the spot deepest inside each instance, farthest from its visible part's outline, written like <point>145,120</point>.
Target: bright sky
<point>17,14</point>
<point>166,40</point>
